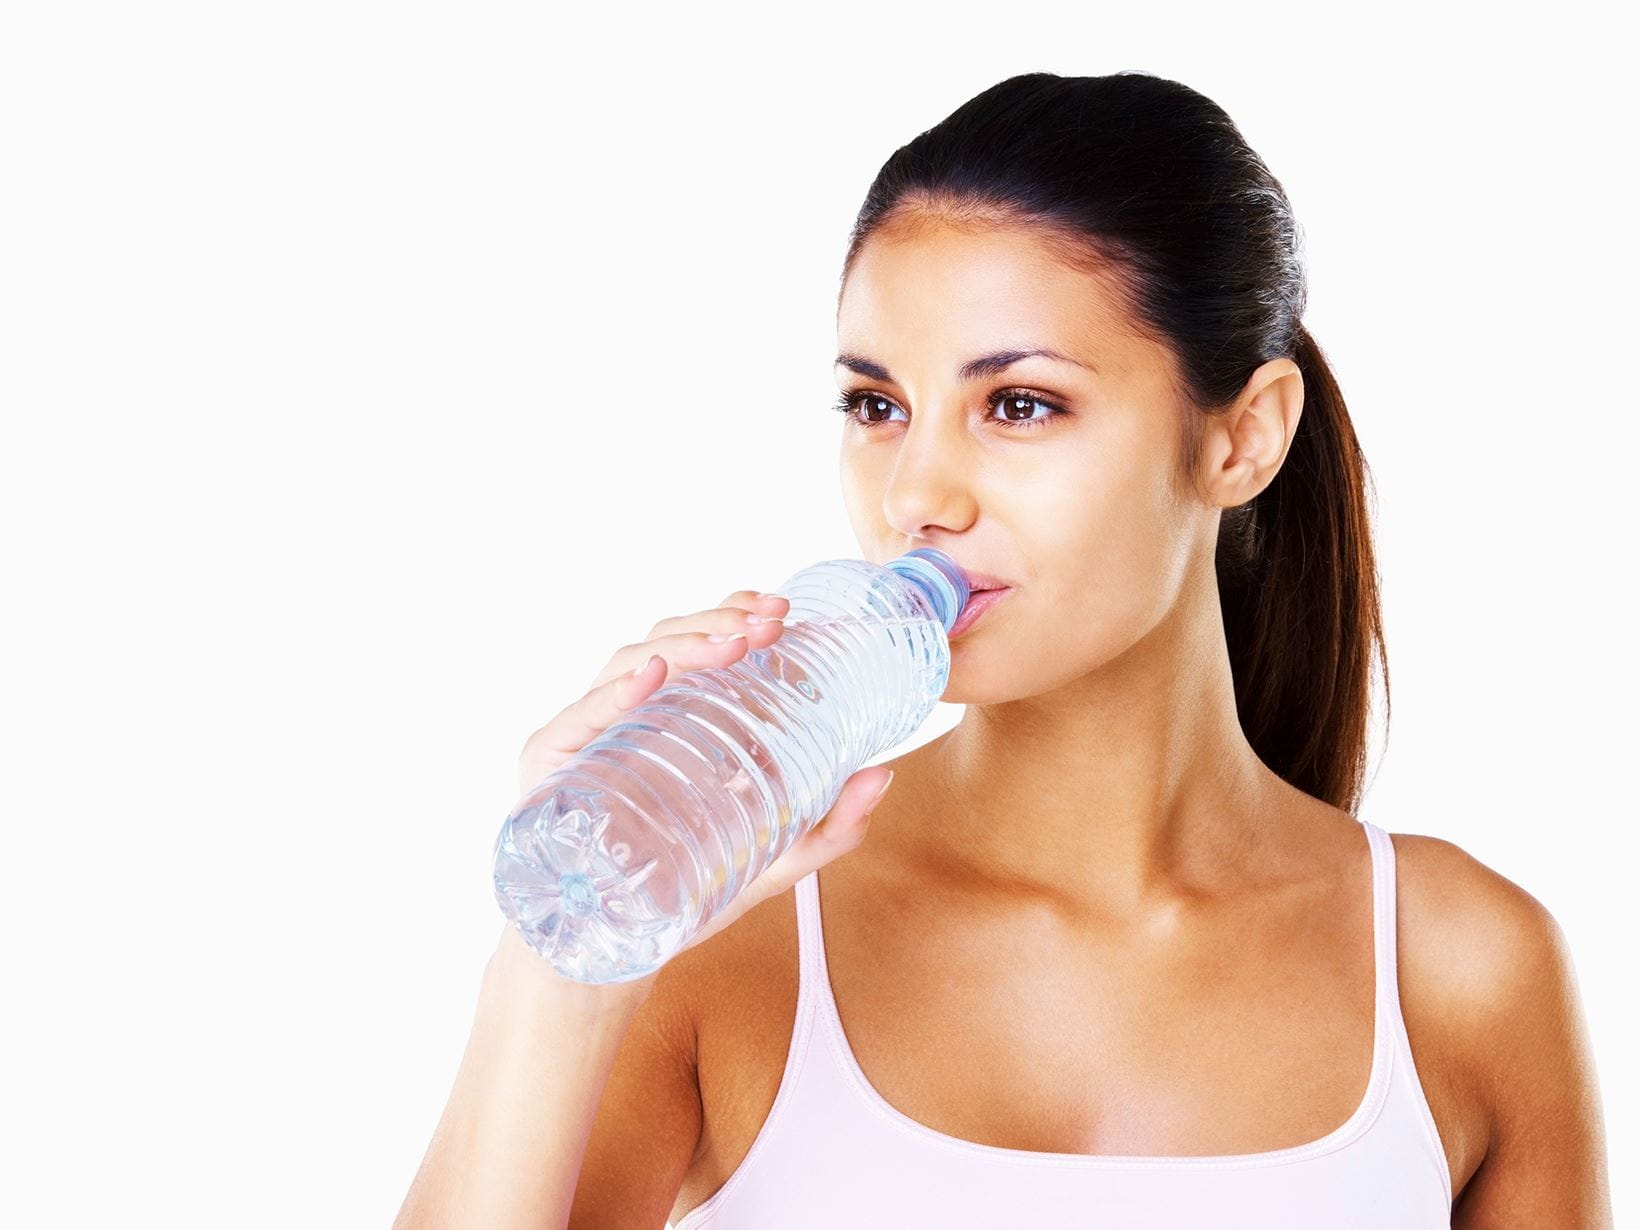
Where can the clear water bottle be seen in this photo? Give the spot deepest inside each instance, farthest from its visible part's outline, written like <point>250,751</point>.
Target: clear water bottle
<point>624,852</point>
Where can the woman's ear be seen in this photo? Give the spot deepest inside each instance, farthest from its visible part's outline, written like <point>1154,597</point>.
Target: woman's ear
<point>1243,448</point>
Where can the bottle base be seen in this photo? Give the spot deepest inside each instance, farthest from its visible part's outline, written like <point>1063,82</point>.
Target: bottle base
<point>585,906</point>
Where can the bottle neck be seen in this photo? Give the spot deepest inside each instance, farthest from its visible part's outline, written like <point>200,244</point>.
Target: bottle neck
<point>939,577</point>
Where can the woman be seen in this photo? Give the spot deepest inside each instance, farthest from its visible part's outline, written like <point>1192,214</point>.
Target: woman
<point>1117,952</point>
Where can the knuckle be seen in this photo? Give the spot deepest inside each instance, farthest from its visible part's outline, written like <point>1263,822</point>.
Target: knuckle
<point>527,749</point>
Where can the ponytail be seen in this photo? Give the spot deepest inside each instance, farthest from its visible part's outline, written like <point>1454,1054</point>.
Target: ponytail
<point>1299,589</point>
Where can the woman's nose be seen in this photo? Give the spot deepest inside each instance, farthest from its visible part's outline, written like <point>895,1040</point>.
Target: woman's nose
<point>930,484</point>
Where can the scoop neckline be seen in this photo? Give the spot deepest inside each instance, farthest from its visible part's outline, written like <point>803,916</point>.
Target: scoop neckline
<point>1360,1119</point>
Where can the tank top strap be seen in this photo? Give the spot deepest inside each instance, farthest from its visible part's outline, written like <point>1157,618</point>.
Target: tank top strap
<point>1387,995</point>
<point>811,966</point>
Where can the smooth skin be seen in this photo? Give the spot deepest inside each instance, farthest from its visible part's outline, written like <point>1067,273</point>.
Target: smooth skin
<point>1101,689</point>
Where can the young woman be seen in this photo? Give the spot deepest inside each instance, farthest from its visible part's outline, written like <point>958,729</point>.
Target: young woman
<point>1117,951</point>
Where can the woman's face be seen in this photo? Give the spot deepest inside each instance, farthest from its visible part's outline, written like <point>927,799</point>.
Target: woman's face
<point>1055,477</point>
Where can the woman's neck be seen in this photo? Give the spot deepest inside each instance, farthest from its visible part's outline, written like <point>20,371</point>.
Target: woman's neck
<point>1116,794</point>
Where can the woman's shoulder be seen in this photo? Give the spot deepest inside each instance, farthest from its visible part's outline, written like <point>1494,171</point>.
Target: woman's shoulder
<point>1488,990</point>
<point>1491,940</point>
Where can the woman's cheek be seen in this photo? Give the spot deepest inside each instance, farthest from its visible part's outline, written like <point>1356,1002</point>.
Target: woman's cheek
<point>1115,553</point>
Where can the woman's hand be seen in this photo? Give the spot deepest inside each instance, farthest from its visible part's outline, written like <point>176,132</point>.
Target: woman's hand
<point>716,637</point>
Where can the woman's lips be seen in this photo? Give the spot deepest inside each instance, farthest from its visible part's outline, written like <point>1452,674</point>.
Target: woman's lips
<point>980,580</point>
<point>979,601</point>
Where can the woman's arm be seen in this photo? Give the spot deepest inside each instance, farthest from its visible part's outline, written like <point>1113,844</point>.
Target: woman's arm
<point>1545,1164</point>
<point>508,1149</point>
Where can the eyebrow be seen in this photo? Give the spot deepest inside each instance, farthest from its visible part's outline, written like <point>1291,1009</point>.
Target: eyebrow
<point>985,365</point>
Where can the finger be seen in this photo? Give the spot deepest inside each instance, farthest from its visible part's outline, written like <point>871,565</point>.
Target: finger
<point>624,686</point>
<point>651,664</point>
<point>579,723</point>
<point>734,610</point>
<point>841,829</point>
<point>753,599</point>
<point>692,647</point>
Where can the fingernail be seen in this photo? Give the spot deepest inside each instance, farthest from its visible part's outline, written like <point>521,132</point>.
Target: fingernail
<point>719,637</point>
<point>878,797</point>
<point>640,668</point>
<point>761,619</point>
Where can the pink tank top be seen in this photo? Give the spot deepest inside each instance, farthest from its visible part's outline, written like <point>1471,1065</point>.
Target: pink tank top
<point>832,1153</point>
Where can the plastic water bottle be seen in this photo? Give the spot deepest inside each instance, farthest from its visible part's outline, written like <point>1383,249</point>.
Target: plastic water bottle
<point>613,861</point>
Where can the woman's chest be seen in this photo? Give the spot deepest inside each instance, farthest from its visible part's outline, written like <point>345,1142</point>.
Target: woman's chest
<point>1020,1039</point>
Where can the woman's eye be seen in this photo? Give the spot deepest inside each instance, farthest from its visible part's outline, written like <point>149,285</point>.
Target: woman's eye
<point>1018,408</point>
<point>862,407</point>
<point>876,406</point>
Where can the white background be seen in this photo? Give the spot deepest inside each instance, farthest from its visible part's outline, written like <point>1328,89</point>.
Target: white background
<point>372,372</point>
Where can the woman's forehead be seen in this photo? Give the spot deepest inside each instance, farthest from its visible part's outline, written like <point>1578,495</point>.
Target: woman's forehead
<point>953,290</point>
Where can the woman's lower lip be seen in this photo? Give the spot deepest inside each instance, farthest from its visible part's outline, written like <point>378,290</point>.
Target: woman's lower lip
<point>980,601</point>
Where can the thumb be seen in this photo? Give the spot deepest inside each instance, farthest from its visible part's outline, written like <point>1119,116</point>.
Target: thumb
<point>842,829</point>
<point>859,797</point>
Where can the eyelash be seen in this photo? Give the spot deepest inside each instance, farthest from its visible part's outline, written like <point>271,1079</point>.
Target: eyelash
<point>845,405</point>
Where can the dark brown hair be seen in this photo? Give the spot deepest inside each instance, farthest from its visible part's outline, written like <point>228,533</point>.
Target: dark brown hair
<point>1149,182</point>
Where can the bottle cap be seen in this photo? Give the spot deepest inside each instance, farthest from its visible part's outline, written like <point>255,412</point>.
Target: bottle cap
<point>937,575</point>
